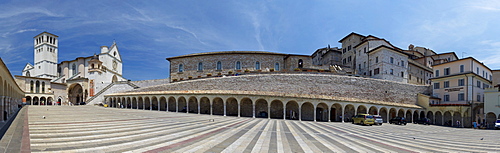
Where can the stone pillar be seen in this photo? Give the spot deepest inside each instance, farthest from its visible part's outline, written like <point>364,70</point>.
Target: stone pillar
<point>300,112</point>
<point>343,113</point>
<point>253,106</point>
<point>269,111</point>
<point>314,116</point>
<point>239,109</point>
<point>329,114</point>
<point>2,106</point>
<point>187,106</point>
<point>224,108</point>
<point>211,109</point>
<point>159,105</point>
<point>284,112</point>
<point>199,107</point>
<point>166,105</point>
<point>176,106</point>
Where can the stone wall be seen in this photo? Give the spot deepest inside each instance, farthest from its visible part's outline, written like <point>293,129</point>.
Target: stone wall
<point>348,87</point>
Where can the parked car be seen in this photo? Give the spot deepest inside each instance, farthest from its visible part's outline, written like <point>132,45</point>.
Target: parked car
<point>398,120</point>
<point>365,119</point>
<point>497,124</point>
<point>424,121</point>
<point>378,119</point>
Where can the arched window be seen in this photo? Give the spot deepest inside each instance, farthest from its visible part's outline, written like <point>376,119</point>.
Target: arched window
<point>31,86</point>
<point>74,69</point>
<point>257,65</point>
<point>92,66</point>
<point>37,87</point>
<point>277,66</point>
<point>219,65</point>
<point>28,73</point>
<point>301,63</point>
<point>181,68</point>
<point>238,65</point>
<point>200,66</point>
<point>43,87</point>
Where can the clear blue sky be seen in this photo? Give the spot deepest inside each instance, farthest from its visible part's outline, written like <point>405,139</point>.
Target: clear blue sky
<point>149,31</point>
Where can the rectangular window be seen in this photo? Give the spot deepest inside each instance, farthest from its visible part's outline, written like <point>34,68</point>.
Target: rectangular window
<point>376,59</point>
<point>461,97</point>
<point>376,71</point>
<point>403,63</point>
<point>446,71</point>
<point>461,68</point>
<point>392,60</point>
<point>402,74</point>
<point>365,50</point>
<point>446,84</point>
<point>343,51</point>
<point>349,59</point>
<point>436,85</point>
<point>478,84</point>
<point>344,61</point>
<point>478,98</point>
<point>437,73</point>
<point>446,97</point>
<point>391,71</point>
<point>359,67</point>
<point>483,74</point>
<point>349,48</point>
<point>461,82</point>
<point>484,85</point>
<point>477,70</point>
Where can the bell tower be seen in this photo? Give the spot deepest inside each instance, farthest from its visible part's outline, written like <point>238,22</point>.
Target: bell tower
<point>45,53</point>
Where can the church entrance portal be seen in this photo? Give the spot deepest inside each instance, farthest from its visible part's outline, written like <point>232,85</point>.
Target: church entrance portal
<point>75,94</point>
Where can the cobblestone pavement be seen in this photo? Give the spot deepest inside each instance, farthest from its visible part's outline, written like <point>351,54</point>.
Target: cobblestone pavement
<point>98,129</point>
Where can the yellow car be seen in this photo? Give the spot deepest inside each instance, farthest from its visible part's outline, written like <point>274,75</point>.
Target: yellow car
<point>365,119</point>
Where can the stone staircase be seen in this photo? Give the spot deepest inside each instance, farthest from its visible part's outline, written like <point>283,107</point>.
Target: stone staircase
<point>111,88</point>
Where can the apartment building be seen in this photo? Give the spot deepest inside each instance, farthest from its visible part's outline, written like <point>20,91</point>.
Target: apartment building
<point>461,81</point>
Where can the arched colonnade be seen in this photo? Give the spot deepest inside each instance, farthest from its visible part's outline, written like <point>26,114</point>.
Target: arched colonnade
<point>262,107</point>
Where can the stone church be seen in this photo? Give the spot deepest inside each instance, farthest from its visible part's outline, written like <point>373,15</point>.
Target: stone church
<point>50,82</point>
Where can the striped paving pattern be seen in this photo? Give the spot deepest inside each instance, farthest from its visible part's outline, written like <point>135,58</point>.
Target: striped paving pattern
<point>97,129</point>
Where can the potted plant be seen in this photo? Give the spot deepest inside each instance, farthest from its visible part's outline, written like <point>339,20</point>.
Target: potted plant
<point>209,74</point>
<point>246,70</point>
<point>199,76</point>
<point>230,72</point>
<point>219,74</point>
<point>272,69</point>
<point>190,77</point>
<point>174,80</point>
<point>296,69</point>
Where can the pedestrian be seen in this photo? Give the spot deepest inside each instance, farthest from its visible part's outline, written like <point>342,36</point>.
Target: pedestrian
<point>474,124</point>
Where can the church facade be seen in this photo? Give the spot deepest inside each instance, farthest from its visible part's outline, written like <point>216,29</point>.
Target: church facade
<point>49,82</point>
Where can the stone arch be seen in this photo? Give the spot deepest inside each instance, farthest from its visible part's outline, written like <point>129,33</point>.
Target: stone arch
<point>28,100</point>
<point>154,103</point>
<point>172,105</point>
<point>438,118</point>
<point>181,104</point>
<point>362,109</point>
<point>192,105</point>
<point>458,117</point>
<point>430,115</point>
<point>491,118</point>
<point>415,115</point>
<point>75,94</point>
<point>261,108</point>
<point>408,116</point>
<point>336,113</point>
<point>322,112</point>
<point>140,103</point>
<point>384,114</point>
<point>422,114</point>
<point>276,109</point>
<point>373,110</point>
<point>114,79</point>
<point>349,112</point>
<point>218,106</point>
<point>246,107</point>
<point>401,113</point>
<point>147,103</point>
<point>50,101</point>
<point>43,101</point>
<point>292,110</point>
<point>448,121</point>
<point>163,103</point>
<point>393,113</point>
<point>134,103</point>
<point>129,103</point>
<point>307,111</point>
<point>232,107</point>
<point>204,105</point>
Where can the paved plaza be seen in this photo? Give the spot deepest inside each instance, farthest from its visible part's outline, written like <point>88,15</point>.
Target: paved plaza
<point>98,129</point>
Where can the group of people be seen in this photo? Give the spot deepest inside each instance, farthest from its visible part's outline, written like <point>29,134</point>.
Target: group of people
<point>480,125</point>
